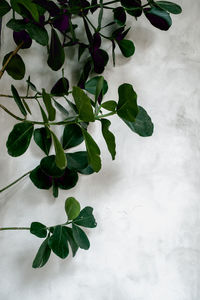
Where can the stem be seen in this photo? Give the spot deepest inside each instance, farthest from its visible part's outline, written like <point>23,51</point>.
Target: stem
<point>10,113</point>
<point>9,58</point>
<point>23,97</point>
<point>14,228</point>
<point>11,184</point>
<point>106,115</point>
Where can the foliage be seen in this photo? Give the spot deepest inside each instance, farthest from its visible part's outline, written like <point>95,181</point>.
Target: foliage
<point>54,25</point>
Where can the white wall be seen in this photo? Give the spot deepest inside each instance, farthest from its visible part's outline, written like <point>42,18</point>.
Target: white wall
<point>147,205</point>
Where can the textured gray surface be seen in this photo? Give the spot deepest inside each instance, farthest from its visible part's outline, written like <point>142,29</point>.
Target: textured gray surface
<point>147,203</point>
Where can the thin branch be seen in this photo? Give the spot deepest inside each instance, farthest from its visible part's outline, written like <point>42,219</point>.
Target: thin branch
<point>14,182</point>
<point>11,114</point>
<point>10,57</point>
<point>14,228</point>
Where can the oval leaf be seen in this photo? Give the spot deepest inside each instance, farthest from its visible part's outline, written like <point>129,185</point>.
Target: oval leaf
<point>38,229</point>
<point>61,160</point>
<point>83,104</point>
<point>86,218</point>
<point>58,241</point>
<point>171,7</point>
<point>19,139</point>
<point>72,208</point>
<point>72,136</point>
<point>56,53</point>
<point>42,255</point>
<point>109,137</point>
<point>80,237</point>
<point>38,33</point>
<point>18,100</point>
<point>16,67</point>
<point>4,8</point>
<point>127,47</point>
<point>158,18</point>
<point>93,151</point>
<point>43,139</point>
<point>127,106</point>
<point>49,107</point>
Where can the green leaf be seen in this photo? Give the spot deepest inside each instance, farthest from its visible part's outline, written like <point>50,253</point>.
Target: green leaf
<point>108,136</point>
<point>72,208</point>
<point>99,87</point>
<point>49,107</point>
<point>16,25</point>
<point>55,189</point>
<point>127,47</point>
<point>93,151</point>
<point>19,139</point>
<point>38,229</point>
<point>80,237</point>
<point>56,53</point>
<point>16,67</point>
<point>38,33</point>
<point>61,160</point>
<point>40,179</point>
<point>61,108</point>
<point>86,218</point>
<point>42,255</point>
<point>158,18</point>
<point>91,85</point>
<point>58,241</point>
<point>77,161</point>
<point>119,15</point>
<point>68,180</point>
<point>61,87</point>
<point>71,241</point>
<point>143,125</point>
<point>87,171</point>
<point>110,105</point>
<point>171,7</point>
<point>49,167</point>
<point>4,8</point>
<point>72,136</point>
<point>83,104</point>
<point>19,5</point>
<point>18,100</point>
<point>127,106</point>
<point>43,139</point>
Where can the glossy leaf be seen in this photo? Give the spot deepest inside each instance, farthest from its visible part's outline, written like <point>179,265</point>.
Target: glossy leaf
<point>91,85</point>
<point>4,8</point>
<point>42,255</point>
<point>80,237</point>
<point>18,100</point>
<point>158,18</point>
<point>61,108</point>
<point>38,33</point>
<point>19,5</point>
<point>58,241</point>
<point>119,15</point>
<point>72,136</point>
<point>171,7</point>
<point>56,52</point>
<point>40,179</point>
<point>77,161</point>
<point>38,229</point>
<point>109,137</point>
<point>43,139</point>
<point>68,180</point>
<point>16,67</point>
<point>83,104</point>
<point>86,218</point>
<point>61,87</point>
<point>93,151</point>
<point>72,208</point>
<point>127,47</point>
<point>71,241</point>
<point>16,25</point>
<point>49,107</point>
<point>49,167</point>
<point>110,105</point>
<point>127,106</point>
<point>61,160</point>
<point>143,125</point>
<point>19,139</point>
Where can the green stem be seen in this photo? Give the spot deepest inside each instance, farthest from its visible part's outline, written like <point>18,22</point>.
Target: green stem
<point>11,184</point>
<point>23,97</point>
<point>106,115</point>
<point>14,228</point>
<point>10,113</point>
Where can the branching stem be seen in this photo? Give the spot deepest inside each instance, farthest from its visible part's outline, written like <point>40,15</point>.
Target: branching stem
<point>9,58</point>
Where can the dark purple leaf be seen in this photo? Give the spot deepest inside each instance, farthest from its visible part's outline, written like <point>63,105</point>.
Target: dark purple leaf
<point>61,23</point>
<point>22,36</point>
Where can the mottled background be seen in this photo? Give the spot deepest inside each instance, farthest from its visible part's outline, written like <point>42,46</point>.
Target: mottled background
<point>147,202</point>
